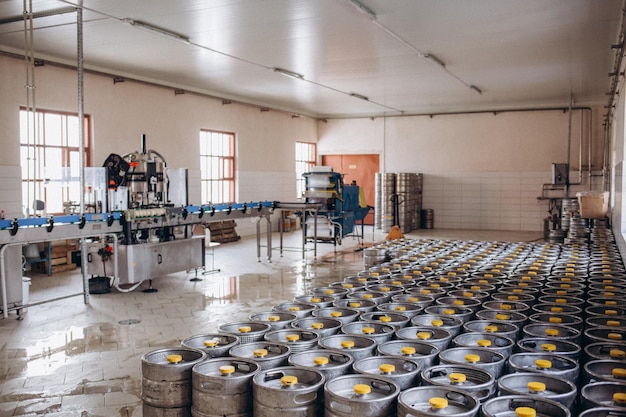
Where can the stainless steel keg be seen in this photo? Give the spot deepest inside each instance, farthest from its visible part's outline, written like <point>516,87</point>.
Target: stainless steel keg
<point>222,387</point>
<point>166,380</point>
<point>512,317</point>
<point>604,394</point>
<point>213,344</point>
<point>317,300</point>
<point>422,352</point>
<point>485,359</point>
<point>451,324</point>
<point>397,320</point>
<point>301,310</point>
<point>604,370</point>
<point>403,371</point>
<point>419,299</point>
<point>321,325</point>
<point>546,345</point>
<point>602,412</point>
<point>467,302</point>
<point>607,334</point>
<point>544,363</point>
<point>523,406</point>
<point>496,327</point>
<point>552,331</point>
<point>462,313</point>
<point>360,395</point>
<point>476,381</point>
<point>555,318</point>
<point>335,291</point>
<point>433,401</point>
<point>298,340</point>
<point>539,385</point>
<point>246,331</point>
<point>267,355</point>
<point>288,391</point>
<point>328,362</point>
<point>358,347</point>
<point>375,296</point>
<point>276,319</point>
<point>491,341</point>
<point>377,331</point>
<point>344,315</point>
<point>408,309</point>
<point>602,350</point>
<point>433,335</point>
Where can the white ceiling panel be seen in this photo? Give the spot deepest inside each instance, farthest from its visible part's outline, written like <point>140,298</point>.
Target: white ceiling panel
<point>519,53</point>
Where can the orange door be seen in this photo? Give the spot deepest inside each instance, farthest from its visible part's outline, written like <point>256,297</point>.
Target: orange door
<point>359,168</point>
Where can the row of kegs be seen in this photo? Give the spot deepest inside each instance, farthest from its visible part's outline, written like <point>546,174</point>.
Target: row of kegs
<point>454,328</point>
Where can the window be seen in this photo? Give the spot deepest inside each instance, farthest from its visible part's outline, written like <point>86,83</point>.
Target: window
<point>49,156</point>
<point>217,166</point>
<point>305,161</point>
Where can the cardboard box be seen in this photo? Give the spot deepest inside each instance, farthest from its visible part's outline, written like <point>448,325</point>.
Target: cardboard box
<point>593,204</point>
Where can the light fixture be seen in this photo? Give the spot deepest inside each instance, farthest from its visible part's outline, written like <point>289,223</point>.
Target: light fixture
<point>287,73</point>
<point>433,59</point>
<point>362,9</point>
<point>359,96</point>
<point>478,90</point>
<point>161,31</point>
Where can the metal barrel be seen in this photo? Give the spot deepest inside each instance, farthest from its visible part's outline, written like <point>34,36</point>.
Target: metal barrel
<point>427,218</point>
<point>344,315</point>
<point>475,381</point>
<point>396,320</point>
<point>360,395</point>
<point>222,387</point>
<point>266,354</point>
<point>485,359</point>
<point>494,342</point>
<point>603,394</point>
<point>433,335</point>
<point>166,380</point>
<point>215,345</point>
<point>431,401</point>
<point>516,405</point>
<point>539,385</point>
<point>299,309</point>
<point>421,352</point>
<point>317,300</point>
<point>328,362</point>
<point>552,331</point>
<point>602,350</point>
<point>604,370</point>
<point>544,363</point>
<point>288,391</point>
<point>246,331</point>
<point>408,309</point>
<point>557,347</point>
<point>321,325</point>
<point>451,324</point>
<point>276,319</point>
<point>604,334</point>
<point>298,340</point>
<point>356,346</point>
<point>403,371</point>
<point>337,292</point>
<point>564,319</point>
<point>602,412</point>
<point>376,331</point>
<point>489,326</point>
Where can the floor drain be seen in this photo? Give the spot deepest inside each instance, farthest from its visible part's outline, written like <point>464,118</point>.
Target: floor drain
<point>130,321</point>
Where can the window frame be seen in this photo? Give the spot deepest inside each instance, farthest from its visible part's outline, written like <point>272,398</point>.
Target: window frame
<point>305,159</point>
<point>220,162</point>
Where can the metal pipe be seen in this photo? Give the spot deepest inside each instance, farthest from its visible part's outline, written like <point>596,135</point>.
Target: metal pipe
<point>3,285</point>
<point>569,143</point>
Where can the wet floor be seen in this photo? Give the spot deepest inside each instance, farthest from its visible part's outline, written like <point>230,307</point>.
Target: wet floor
<point>67,358</point>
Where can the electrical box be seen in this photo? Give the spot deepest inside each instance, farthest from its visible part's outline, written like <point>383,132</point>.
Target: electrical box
<point>560,174</point>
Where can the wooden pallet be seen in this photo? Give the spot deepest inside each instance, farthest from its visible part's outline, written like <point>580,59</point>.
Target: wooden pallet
<point>60,259</point>
<point>223,231</point>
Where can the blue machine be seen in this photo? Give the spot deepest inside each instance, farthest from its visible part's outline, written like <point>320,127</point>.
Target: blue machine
<point>339,208</point>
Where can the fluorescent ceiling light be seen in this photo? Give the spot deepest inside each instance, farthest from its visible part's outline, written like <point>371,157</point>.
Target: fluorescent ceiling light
<point>287,73</point>
<point>360,96</point>
<point>159,30</point>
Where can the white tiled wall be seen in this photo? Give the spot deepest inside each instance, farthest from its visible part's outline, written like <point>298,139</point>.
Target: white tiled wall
<point>10,191</point>
<point>486,200</point>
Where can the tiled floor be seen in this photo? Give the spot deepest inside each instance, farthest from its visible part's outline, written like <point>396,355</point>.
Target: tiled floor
<point>71,359</point>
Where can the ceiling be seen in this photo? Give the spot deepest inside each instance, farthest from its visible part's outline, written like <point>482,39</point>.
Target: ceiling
<point>350,59</point>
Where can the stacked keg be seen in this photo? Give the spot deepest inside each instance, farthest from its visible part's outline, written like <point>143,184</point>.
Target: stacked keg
<point>459,328</point>
<point>398,200</point>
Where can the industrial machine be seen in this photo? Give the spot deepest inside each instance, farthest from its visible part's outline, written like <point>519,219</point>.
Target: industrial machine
<point>338,203</point>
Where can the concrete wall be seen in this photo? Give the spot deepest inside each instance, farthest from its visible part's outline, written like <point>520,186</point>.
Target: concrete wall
<point>481,171</point>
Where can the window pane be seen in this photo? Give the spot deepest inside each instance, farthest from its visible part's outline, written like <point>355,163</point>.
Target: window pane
<point>72,137</point>
<point>52,126</point>
<point>54,197</point>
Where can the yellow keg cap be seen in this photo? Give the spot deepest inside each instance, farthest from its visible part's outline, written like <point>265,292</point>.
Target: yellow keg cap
<point>387,368</point>
<point>561,292</point>
<point>400,308</point>
<point>488,275</point>
<point>211,343</point>
<point>435,285</point>
<point>468,294</point>
<point>612,323</point>
<point>425,291</point>
<point>525,412</point>
<point>452,274</point>
<point>329,291</point>
<point>375,274</point>
<point>556,309</point>
<point>610,312</point>
<point>316,300</point>
<point>561,301</point>
<point>491,329</point>
<point>457,377</point>
<point>566,286</point>
<point>413,299</point>
<point>245,329</point>
<point>436,322</point>
<point>424,335</point>
<point>548,347</point>
<point>335,314</point>
<point>526,278</point>
<point>483,342</point>
<point>259,353</point>
<point>535,386</point>
<point>552,332</point>
<point>518,290</point>
<point>475,288</point>
<point>273,318</point>
<point>614,336</point>
<point>408,350</point>
<point>502,317</point>
<point>619,372</point>
<point>385,319</point>
<point>347,344</point>
<point>472,358</point>
<point>617,353</point>
<point>294,308</point>
<point>396,282</point>
<point>368,296</point>
<point>353,305</point>
<point>448,311</point>
<point>174,358</point>
<point>506,307</point>
<point>368,330</point>
<point>555,320</point>
<point>458,302</point>
<point>619,397</point>
<point>362,279</point>
<point>292,337</point>
<point>289,380</point>
<point>438,403</point>
<point>348,285</point>
<point>227,369</point>
<point>362,389</point>
<point>609,294</point>
<point>512,298</point>
<point>443,279</point>
<point>543,363</point>
<point>317,326</point>
<point>407,277</point>
<point>320,360</point>
<point>483,281</point>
